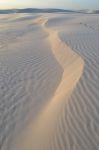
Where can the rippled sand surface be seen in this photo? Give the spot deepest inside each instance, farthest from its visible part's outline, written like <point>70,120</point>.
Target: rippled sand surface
<point>49,82</point>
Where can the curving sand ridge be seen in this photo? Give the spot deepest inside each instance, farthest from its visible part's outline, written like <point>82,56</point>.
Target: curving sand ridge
<point>82,122</point>
<point>46,102</point>
<point>38,134</point>
<point>29,75</point>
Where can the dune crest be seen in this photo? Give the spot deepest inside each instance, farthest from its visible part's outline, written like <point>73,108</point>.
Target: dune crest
<point>38,134</point>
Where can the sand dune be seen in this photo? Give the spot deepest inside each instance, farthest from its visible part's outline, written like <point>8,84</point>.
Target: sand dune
<point>80,121</point>
<point>46,122</point>
<point>27,77</point>
<point>47,10</point>
<point>35,10</point>
<point>49,82</point>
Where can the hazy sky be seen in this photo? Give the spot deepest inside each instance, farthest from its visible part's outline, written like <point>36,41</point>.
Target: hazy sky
<point>66,4</point>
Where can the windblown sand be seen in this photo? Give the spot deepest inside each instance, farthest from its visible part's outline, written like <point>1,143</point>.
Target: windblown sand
<point>49,82</point>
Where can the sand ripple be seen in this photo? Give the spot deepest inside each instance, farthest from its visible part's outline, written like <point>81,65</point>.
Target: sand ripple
<point>49,73</point>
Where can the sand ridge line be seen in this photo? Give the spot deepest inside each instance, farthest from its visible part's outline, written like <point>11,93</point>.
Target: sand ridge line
<point>38,134</point>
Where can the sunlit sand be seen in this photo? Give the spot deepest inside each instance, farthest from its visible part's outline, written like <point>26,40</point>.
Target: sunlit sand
<point>49,81</point>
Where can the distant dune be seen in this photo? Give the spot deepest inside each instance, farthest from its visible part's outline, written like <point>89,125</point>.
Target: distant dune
<point>33,10</point>
<point>49,10</point>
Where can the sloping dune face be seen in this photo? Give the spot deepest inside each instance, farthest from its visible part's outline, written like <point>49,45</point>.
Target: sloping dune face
<point>29,74</point>
<point>49,83</point>
<point>79,124</point>
<point>39,133</point>
<point>83,107</point>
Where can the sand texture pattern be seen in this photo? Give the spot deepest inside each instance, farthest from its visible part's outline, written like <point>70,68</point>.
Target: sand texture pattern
<point>49,81</point>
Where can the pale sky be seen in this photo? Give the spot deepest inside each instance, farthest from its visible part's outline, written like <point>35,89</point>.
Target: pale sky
<point>65,4</point>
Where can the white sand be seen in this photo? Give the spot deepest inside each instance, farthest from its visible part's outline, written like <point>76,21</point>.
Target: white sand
<point>47,106</point>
